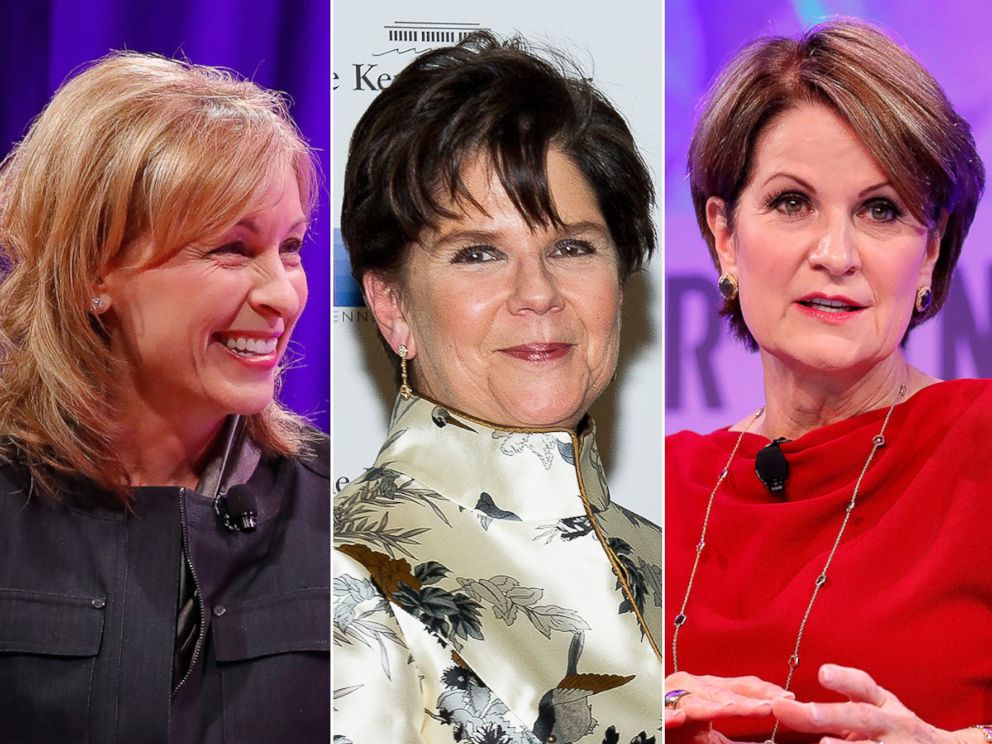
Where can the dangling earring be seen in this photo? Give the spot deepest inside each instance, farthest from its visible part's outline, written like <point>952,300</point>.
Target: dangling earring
<point>97,303</point>
<point>924,298</point>
<point>727,284</point>
<point>405,391</point>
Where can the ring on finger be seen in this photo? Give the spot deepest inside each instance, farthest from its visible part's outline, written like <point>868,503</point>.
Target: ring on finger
<point>672,698</point>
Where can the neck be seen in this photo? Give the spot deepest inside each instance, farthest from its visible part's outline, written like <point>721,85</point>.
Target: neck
<point>799,400</point>
<point>160,451</point>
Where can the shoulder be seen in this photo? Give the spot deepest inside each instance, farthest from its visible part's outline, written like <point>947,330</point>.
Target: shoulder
<point>954,404</point>
<point>690,441</point>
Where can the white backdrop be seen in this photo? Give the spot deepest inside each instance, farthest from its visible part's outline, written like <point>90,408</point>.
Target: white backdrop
<point>619,45</point>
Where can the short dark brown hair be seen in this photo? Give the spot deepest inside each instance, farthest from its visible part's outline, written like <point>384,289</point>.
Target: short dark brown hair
<point>499,99</point>
<point>892,103</point>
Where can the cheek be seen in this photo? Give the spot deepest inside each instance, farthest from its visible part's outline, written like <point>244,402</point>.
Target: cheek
<point>455,315</point>
<point>600,306</point>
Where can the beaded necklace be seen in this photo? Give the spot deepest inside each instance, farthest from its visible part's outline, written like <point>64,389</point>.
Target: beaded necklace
<point>877,442</point>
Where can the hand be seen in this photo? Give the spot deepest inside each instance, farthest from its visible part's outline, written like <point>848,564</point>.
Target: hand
<point>873,714</point>
<point>713,698</point>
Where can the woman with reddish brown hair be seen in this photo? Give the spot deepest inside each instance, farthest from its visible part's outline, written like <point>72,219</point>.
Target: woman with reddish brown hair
<point>815,559</point>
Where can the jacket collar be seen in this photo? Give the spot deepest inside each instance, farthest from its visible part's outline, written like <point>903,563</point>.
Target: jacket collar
<point>534,474</point>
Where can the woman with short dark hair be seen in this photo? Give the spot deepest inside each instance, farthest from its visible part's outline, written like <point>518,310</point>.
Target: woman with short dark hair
<point>486,586</point>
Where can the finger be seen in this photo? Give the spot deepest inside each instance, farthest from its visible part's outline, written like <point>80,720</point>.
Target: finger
<point>749,686</point>
<point>674,718</point>
<point>709,703</point>
<point>832,740</point>
<point>856,684</point>
<point>862,719</point>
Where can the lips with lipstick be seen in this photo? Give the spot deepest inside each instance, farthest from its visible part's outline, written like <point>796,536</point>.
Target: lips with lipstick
<point>833,305</point>
<point>538,352</point>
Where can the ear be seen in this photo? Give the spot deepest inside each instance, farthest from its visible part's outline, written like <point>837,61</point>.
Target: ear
<point>932,252</point>
<point>382,295</point>
<point>723,243</point>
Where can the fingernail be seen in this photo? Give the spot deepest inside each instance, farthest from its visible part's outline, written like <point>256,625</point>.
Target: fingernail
<point>786,695</point>
<point>826,674</point>
<point>815,714</point>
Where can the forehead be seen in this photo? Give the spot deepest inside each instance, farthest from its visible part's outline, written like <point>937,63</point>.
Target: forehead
<point>572,196</point>
<point>814,140</point>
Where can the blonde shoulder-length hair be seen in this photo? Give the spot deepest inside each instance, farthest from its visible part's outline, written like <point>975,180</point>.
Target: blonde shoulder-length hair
<point>135,146</point>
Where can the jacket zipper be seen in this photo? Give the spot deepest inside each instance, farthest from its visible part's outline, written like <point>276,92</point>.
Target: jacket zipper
<point>201,631</point>
<point>618,569</point>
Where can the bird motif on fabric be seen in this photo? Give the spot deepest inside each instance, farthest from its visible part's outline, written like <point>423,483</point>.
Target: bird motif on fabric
<point>564,712</point>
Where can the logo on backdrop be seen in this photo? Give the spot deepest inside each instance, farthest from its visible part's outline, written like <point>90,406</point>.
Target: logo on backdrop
<point>400,40</point>
<point>406,37</point>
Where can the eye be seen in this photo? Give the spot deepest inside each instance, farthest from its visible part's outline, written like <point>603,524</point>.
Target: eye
<point>235,248</point>
<point>790,204</point>
<point>881,210</point>
<point>573,248</point>
<point>476,254</point>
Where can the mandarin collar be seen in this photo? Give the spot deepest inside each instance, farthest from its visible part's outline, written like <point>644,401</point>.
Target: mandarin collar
<point>532,473</point>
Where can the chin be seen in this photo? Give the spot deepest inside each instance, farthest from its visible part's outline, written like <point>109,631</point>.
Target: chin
<point>543,413</point>
<point>247,403</point>
<point>837,357</point>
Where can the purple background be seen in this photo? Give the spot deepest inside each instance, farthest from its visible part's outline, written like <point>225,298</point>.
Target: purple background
<point>283,45</point>
<point>710,380</point>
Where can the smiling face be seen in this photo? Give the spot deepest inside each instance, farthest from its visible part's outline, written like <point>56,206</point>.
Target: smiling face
<point>516,326</point>
<point>201,331</point>
<point>828,257</point>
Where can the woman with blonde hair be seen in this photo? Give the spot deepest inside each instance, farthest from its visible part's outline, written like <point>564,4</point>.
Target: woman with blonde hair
<point>163,518</point>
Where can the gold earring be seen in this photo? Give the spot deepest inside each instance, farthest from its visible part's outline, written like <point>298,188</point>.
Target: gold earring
<point>727,284</point>
<point>405,390</point>
<point>924,298</point>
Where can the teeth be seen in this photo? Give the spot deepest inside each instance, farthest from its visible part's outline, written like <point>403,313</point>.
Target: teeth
<point>822,303</point>
<point>248,346</point>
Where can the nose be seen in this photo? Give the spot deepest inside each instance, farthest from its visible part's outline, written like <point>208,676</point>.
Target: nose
<point>535,288</point>
<point>278,290</point>
<point>835,250</point>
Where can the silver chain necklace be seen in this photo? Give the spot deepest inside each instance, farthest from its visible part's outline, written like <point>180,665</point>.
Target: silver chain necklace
<point>877,442</point>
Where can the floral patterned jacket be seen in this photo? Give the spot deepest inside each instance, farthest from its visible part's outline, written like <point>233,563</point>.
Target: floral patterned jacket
<point>486,589</point>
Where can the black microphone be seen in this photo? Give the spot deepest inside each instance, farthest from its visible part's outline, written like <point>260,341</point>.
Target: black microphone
<point>237,509</point>
<point>772,467</point>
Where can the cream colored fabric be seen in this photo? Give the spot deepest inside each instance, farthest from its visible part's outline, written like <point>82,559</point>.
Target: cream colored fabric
<point>474,600</point>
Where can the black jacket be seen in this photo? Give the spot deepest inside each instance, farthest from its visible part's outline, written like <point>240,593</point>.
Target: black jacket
<point>89,600</point>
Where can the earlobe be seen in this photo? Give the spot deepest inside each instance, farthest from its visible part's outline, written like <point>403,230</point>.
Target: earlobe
<point>99,301</point>
<point>383,298</point>
<point>723,244</point>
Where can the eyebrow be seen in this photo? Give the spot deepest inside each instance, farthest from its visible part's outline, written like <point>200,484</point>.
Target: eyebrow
<point>808,187</point>
<point>569,229</point>
<point>252,226</point>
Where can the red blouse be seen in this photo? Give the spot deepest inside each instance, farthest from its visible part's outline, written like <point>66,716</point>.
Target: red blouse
<point>909,594</point>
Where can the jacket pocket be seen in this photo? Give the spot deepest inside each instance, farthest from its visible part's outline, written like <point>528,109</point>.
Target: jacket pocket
<point>274,660</point>
<point>48,649</point>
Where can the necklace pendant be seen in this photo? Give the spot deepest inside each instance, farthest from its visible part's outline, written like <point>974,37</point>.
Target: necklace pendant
<point>878,440</point>
<point>680,620</point>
